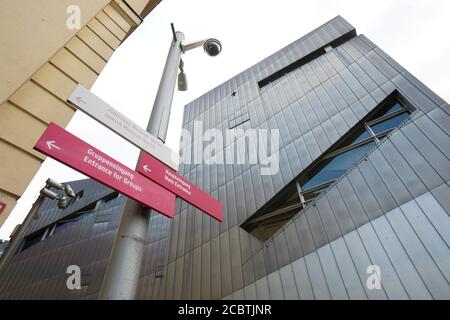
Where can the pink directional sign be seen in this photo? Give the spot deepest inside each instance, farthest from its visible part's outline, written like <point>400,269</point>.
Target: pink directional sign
<point>63,146</point>
<point>155,170</point>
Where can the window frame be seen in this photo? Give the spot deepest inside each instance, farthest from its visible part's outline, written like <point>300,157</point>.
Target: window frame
<point>255,223</point>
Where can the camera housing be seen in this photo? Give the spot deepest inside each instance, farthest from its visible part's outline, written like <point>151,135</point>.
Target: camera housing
<point>212,47</point>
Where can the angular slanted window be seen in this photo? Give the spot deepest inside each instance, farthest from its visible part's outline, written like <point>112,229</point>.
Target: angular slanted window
<point>331,165</point>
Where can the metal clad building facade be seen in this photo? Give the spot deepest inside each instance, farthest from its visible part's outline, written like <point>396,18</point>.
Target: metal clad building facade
<point>37,270</point>
<point>390,209</point>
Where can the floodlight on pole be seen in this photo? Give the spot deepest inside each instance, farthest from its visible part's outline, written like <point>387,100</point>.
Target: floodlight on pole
<point>49,194</point>
<point>55,184</point>
<point>61,186</point>
<point>62,200</point>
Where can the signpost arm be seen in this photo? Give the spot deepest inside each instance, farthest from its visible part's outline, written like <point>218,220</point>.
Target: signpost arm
<point>124,267</point>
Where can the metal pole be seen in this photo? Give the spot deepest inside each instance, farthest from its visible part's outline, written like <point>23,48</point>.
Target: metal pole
<point>124,267</point>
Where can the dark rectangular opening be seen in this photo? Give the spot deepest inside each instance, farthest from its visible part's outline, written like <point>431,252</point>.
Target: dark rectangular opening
<point>306,59</point>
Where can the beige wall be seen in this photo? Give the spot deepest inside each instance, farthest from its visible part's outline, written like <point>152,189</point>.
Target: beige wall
<point>41,62</point>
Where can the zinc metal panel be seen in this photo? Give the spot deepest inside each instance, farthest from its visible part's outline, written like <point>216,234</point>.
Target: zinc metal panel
<point>197,227</point>
<point>216,291</point>
<point>405,269</point>
<point>365,195</point>
<point>223,195</point>
<point>170,273</point>
<point>344,89</point>
<point>181,235</point>
<point>302,80</point>
<point>351,114</point>
<point>340,124</point>
<point>267,185</point>
<point>332,274</point>
<point>441,195</point>
<point>178,279</point>
<point>321,138</point>
<point>328,219</point>
<point>250,292</point>
<point>317,277</point>
<point>293,241</point>
<point>348,272</point>
<point>189,241</point>
<point>359,109</point>
<point>225,265</point>
<point>197,273</point>
<point>270,257</point>
<point>281,250</point>
<point>291,123</point>
<point>318,71</point>
<point>340,210</point>
<point>304,234</point>
<point>206,272</point>
<point>174,238</point>
<point>372,70</point>
<point>435,134</point>
<point>389,277</point>
<point>236,260</point>
<point>302,280</point>
<point>326,102</point>
<point>311,145</point>
<point>275,286</point>
<point>390,177</point>
<point>231,204</point>
<point>262,289</point>
<point>377,186</point>
<point>302,123</point>
<point>428,150</point>
<point>310,113</point>
<point>260,265</point>
<point>285,174</point>
<point>402,168</point>
<point>426,267</point>
<point>335,95</point>
<point>413,94</point>
<point>418,163</point>
<point>436,215</point>
<point>354,206</point>
<point>248,272</point>
<point>281,124</point>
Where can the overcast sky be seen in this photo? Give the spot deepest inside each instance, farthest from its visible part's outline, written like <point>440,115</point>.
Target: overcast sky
<point>413,32</point>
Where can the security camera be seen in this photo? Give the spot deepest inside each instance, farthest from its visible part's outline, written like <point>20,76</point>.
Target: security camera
<point>48,193</point>
<point>69,191</point>
<point>62,202</point>
<point>54,184</point>
<point>212,47</point>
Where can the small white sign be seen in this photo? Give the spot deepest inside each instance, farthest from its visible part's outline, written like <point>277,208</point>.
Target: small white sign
<point>98,109</point>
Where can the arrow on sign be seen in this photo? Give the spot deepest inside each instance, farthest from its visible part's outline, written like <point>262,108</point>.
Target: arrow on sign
<point>82,157</point>
<point>80,100</point>
<point>51,144</point>
<point>171,181</point>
